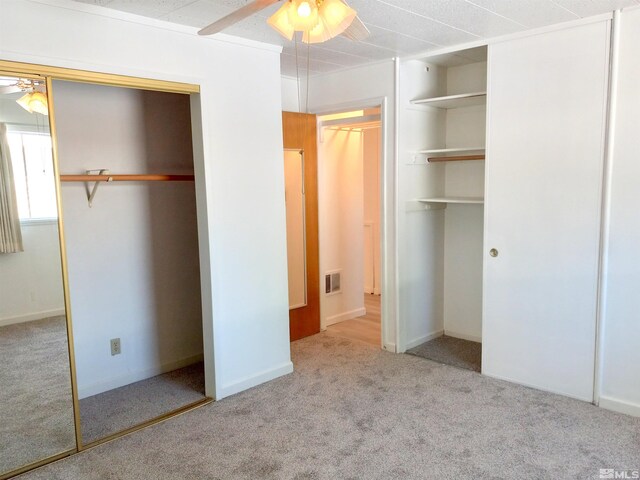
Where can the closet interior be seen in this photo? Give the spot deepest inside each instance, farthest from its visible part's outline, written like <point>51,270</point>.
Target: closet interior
<point>443,138</point>
<point>131,237</point>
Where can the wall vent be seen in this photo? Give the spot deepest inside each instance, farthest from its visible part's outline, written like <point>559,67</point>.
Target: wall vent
<point>332,282</point>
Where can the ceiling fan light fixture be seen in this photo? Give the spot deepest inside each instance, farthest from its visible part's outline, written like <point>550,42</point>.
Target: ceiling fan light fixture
<point>318,34</point>
<point>303,15</point>
<point>279,21</point>
<point>337,16</point>
<point>34,102</point>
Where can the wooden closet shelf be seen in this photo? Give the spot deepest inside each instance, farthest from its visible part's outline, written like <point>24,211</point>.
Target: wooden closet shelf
<point>128,178</point>
<point>456,158</point>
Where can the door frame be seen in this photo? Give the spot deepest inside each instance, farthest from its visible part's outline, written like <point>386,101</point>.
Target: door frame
<point>389,318</point>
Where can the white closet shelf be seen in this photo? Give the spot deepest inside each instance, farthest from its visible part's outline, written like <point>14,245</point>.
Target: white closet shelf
<point>453,101</point>
<point>462,200</point>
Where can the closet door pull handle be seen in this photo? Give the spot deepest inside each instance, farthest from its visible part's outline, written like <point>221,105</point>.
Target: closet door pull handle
<point>493,252</point>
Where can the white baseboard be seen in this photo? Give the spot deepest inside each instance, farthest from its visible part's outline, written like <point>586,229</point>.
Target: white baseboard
<point>254,380</point>
<point>420,340</point>
<point>620,406</point>
<point>463,336</point>
<point>31,317</point>
<point>85,391</point>
<point>358,312</point>
<point>389,347</point>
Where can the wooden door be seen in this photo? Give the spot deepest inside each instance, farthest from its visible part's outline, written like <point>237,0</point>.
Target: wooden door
<point>546,123</point>
<point>299,132</point>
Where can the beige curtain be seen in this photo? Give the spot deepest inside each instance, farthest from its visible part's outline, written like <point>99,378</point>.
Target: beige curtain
<point>10,233</point>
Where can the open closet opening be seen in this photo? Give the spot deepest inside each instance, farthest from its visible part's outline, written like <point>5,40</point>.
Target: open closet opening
<point>444,111</point>
<point>349,172</point>
<point>130,223</point>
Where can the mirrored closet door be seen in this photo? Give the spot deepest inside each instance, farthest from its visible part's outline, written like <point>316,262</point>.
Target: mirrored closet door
<point>36,400</point>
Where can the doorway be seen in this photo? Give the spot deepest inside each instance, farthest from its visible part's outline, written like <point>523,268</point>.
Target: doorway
<point>349,165</point>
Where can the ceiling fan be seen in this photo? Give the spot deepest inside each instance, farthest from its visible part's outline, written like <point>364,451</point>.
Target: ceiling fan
<point>15,85</point>
<point>34,99</point>
<point>318,20</point>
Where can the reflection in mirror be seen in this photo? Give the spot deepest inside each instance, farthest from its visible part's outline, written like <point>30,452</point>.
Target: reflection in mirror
<point>296,242</point>
<point>36,404</point>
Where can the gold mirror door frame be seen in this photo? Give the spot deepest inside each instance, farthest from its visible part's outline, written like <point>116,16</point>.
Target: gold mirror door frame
<point>47,74</point>
<point>37,402</point>
<point>299,133</point>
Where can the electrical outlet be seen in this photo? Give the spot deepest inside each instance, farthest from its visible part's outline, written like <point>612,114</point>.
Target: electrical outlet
<point>115,346</point>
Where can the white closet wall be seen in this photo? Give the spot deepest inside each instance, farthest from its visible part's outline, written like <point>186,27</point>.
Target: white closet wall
<point>620,375</point>
<point>421,296</point>
<point>547,111</point>
<point>133,256</point>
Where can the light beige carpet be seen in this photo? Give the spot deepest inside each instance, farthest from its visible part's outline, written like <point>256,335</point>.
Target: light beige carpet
<point>36,407</point>
<point>352,411</point>
<point>121,408</point>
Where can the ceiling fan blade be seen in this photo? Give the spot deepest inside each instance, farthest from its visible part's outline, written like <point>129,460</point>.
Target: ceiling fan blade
<point>9,89</point>
<point>235,17</point>
<point>357,31</point>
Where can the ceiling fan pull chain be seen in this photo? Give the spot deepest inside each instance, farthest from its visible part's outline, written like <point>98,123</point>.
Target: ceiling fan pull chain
<point>306,107</point>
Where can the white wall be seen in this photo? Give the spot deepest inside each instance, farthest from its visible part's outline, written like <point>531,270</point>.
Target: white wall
<point>31,281</point>
<point>240,186</point>
<point>132,256</point>
<point>289,89</point>
<point>368,86</point>
<point>371,196</point>
<point>340,210</point>
<point>620,375</point>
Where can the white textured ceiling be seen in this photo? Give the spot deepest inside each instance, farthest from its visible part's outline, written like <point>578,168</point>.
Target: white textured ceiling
<point>398,27</point>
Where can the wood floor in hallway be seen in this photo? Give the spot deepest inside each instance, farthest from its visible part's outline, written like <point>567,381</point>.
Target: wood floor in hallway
<point>365,328</point>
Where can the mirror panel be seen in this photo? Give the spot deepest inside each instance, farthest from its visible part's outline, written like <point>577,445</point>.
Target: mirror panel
<point>36,402</point>
<point>296,227</point>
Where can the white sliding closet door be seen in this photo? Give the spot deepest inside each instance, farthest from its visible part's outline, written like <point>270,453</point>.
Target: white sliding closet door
<point>547,108</point>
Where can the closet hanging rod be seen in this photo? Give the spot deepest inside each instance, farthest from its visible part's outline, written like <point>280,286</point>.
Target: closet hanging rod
<point>456,158</point>
<point>128,178</point>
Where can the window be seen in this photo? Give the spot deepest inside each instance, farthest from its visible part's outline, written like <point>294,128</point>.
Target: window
<point>33,174</point>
